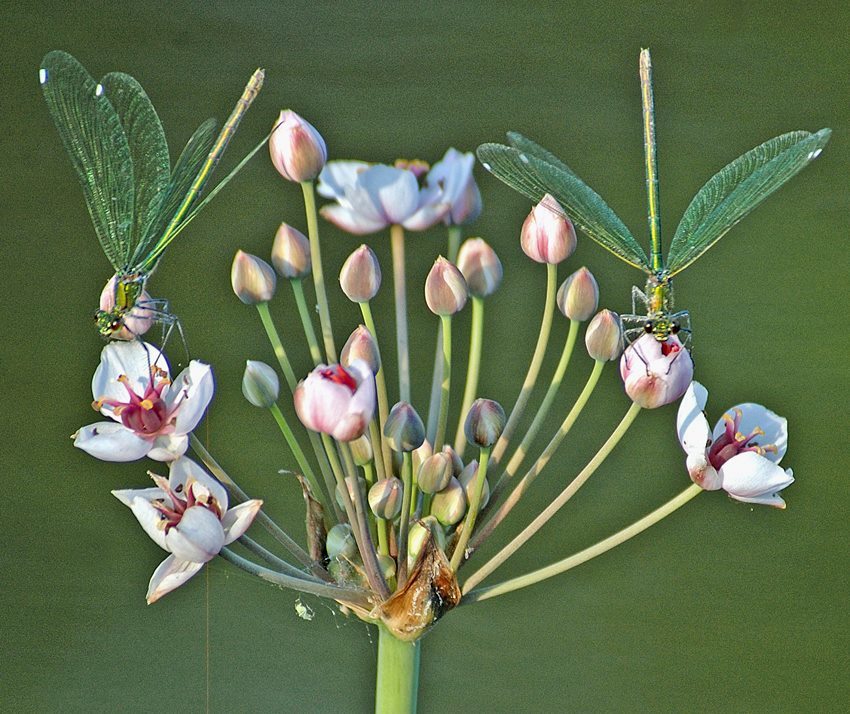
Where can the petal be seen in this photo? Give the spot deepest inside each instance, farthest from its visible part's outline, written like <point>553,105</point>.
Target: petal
<point>395,191</point>
<point>170,574</point>
<point>749,476</point>
<point>755,416</point>
<point>184,470</point>
<point>140,502</point>
<point>238,518</point>
<point>702,473</point>
<point>133,359</point>
<point>351,221</point>
<point>427,216</point>
<point>691,424</point>
<point>168,447</point>
<point>198,537</point>
<point>109,441</point>
<point>190,395</point>
<point>338,176</point>
<point>321,403</point>
<point>351,426</point>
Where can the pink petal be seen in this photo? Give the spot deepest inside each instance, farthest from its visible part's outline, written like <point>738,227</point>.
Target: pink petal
<point>238,518</point>
<point>170,574</point>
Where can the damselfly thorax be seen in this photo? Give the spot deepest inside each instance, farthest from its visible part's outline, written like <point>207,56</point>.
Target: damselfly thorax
<point>653,313</point>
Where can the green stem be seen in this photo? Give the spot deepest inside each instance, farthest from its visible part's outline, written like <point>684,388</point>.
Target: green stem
<point>541,462</point>
<point>397,681</point>
<point>546,404</point>
<point>536,362</point>
<point>318,275</point>
<point>556,505</point>
<point>306,320</point>
<point>381,384</point>
<point>587,554</point>
<point>404,518</point>
<point>455,234</point>
<point>445,391</point>
<point>474,503</point>
<point>473,369</point>
<point>400,288</point>
<point>273,560</point>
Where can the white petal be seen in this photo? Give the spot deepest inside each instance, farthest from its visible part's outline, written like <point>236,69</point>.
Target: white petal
<point>238,518</point>
<point>691,424</point>
<point>755,416</point>
<point>749,476</point>
<point>337,176</point>
<point>170,574</point>
<point>702,473</point>
<point>184,470</point>
<point>140,502</point>
<point>168,447</point>
<point>352,221</point>
<point>191,392</point>
<point>127,495</point>
<point>198,537</point>
<point>110,441</point>
<point>133,359</point>
<point>396,191</point>
<point>427,216</point>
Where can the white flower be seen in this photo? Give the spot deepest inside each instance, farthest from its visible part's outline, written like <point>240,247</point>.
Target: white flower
<point>454,174</point>
<point>372,197</point>
<point>740,455</point>
<point>186,515</point>
<point>151,414</point>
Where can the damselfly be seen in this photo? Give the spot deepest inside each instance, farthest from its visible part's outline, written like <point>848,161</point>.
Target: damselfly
<point>723,201</point>
<point>137,202</point>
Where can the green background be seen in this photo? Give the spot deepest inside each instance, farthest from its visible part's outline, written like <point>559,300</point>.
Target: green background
<point>722,607</point>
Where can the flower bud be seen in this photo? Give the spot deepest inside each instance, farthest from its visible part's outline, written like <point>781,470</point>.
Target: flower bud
<point>445,288</point>
<point>484,423</point>
<point>260,384</point>
<point>419,534</point>
<point>449,505</point>
<point>387,566</point>
<point>337,401</point>
<point>252,278</point>
<point>361,345</point>
<point>404,428</point>
<point>291,253</point>
<point>604,336</point>
<point>351,486</point>
<point>385,498</point>
<point>457,464</point>
<point>578,296</point>
<point>434,473</point>
<point>467,480</point>
<point>340,542</point>
<point>480,266</point>
<point>548,235</point>
<point>420,454</point>
<point>656,372</point>
<point>298,151</point>
<point>360,276</point>
<point>361,450</point>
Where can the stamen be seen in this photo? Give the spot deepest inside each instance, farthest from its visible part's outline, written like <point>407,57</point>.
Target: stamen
<point>146,404</point>
<point>338,375</point>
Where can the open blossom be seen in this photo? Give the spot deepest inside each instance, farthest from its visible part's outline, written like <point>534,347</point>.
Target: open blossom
<point>337,400</point>
<point>454,174</point>
<point>150,415</point>
<point>370,197</point>
<point>186,515</point>
<point>656,372</point>
<point>741,455</point>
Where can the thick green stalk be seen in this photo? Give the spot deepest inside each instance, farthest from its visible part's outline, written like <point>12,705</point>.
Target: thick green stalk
<point>534,366</point>
<point>397,681</point>
<point>306,320</point>
<point>446,387</point>
<point>583,556</point>
<point>381,384</point>
<point>474,503</point>
<point>318,274</point>
<point>473,369</point>
<point>400,290</point>
<point>556,505</point>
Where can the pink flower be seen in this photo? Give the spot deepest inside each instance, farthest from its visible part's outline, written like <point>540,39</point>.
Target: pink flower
<point>186,515</point>
<point>298,151</point>
<point>656,372</point>
<point>337,400</point>
<point>547,235</point>
<point>151,416</point>
<point>741,455</point>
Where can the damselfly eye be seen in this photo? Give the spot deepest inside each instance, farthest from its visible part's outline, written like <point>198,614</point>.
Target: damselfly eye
<point>648,327</point>
<point>675,327</point>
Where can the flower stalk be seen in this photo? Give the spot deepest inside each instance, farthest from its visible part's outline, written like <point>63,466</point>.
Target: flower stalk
<point>397,681</point>
<point>400,294</point>
<point>318,273</point>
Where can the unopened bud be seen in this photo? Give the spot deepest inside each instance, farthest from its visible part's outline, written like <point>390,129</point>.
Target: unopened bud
<point>361,345</point>
<point>457,464</point>
<point>252,278</point>
<point>656,372</point>
<point>445,288</point>
<point>604,336</point>
<point>449,505</point>
<point>340,542</point>
<point>361,450</point>
<point>578,296</point>
<point>404,428</point>
<point>387,566</point>
<point>484,423</point>
<point>548,235</point>
<point>467,480</point>
<point>291,253</point>
<point>360,276</point>
<point>434,473</point>
<point>260,384</point>
<point>419,534</point>
<point>420,454</point>
<point>480,266</point>
<point>385,498</point>
<point>297,149</point>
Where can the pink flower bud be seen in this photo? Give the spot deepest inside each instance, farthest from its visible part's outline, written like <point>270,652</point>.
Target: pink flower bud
<point>604,336</point>
<point>337,401</point>
<point>291,253</point>
<point>480,266</point>
<point>361,346</point>
<point>434,473</point>
<point>578,296</point>
<point>298,151</point>
<point>134,323</point>
<point>656,373</point>
<point>547,235</point>
<point>360,276</point>
<point>252,278</point>
<point>404,429</point>
<point>445,288</point>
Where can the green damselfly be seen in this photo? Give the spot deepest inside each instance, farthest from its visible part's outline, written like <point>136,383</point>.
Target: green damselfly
<point>723,201</point>
<point>137,202</point>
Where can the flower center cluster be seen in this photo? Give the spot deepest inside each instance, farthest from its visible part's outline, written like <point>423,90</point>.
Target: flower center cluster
<point>181,500</point>
<point>338,375</point>
<point>732,442</point>
<point>146,414</point>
